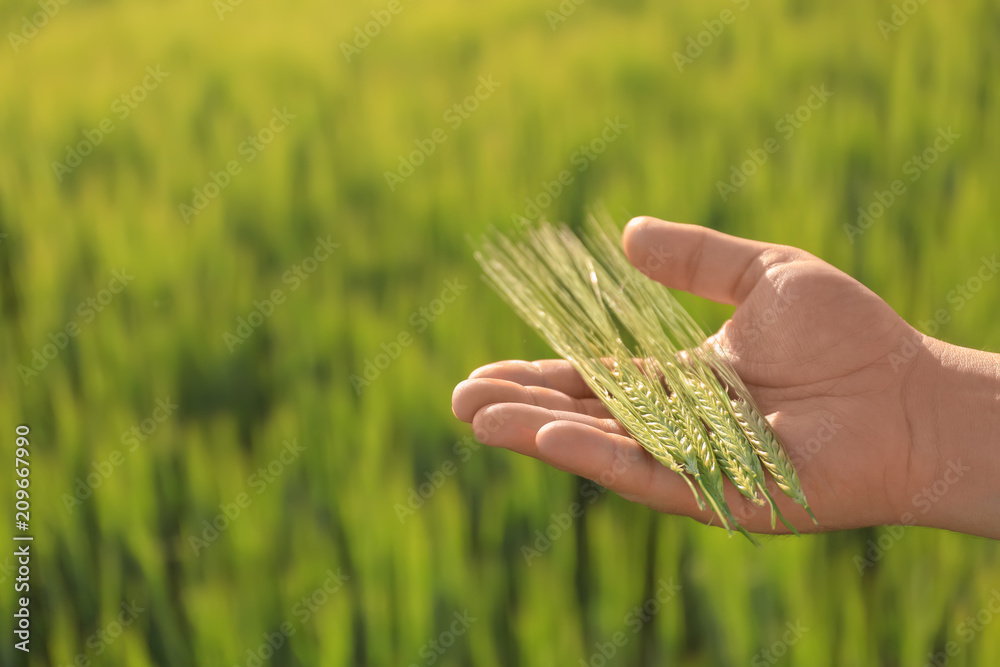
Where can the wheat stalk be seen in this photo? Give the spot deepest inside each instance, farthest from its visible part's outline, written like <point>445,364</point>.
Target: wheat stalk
<point>675,401</point>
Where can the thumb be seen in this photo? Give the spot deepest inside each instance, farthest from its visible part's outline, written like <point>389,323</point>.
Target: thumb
<point>700,260</point>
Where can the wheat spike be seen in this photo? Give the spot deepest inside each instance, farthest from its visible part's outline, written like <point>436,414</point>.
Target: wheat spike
<point>774,458</point>
<point>731,451</point>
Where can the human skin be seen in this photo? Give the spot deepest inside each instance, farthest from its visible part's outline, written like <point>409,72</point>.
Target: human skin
<point>884,424</point>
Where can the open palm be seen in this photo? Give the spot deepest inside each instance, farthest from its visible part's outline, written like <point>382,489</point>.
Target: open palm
<point>827,360</point>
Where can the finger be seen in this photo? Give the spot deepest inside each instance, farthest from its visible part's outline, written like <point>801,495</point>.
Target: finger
<point>471,395</point>
<point>514,425</point>
<point>700,260</point>
<point>616,463</point>
<point>551,373</point>
<point>621,465</point>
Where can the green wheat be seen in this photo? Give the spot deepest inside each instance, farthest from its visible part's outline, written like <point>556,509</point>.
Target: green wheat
<point>669,390</point>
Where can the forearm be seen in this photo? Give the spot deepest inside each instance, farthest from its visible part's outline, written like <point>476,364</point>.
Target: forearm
<point>956,431</point>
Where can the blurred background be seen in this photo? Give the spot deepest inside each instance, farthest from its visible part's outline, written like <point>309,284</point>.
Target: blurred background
<point>237,291</point>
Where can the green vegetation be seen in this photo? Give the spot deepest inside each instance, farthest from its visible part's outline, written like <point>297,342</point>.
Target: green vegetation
<point>313,472</point>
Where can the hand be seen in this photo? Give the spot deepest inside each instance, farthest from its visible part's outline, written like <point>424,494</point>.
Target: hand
<point>853,391</point>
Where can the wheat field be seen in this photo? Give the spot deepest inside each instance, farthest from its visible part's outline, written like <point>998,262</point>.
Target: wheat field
<point>237,290</point>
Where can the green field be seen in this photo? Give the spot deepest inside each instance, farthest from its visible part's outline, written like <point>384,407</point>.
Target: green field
<point>264,258</point>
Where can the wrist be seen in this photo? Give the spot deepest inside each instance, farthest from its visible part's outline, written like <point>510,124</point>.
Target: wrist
<point>953,403</point>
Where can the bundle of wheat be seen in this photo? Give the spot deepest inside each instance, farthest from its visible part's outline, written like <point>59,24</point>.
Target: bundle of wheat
<point>679,398</point>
